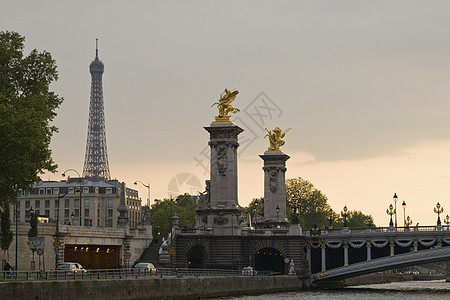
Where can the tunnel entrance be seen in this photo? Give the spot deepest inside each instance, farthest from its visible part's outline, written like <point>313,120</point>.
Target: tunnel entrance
<point>270,259</point>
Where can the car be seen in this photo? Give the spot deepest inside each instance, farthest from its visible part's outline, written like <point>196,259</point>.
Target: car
<point>144,266</point>
<point>248,271</point>
<point>69,268</point>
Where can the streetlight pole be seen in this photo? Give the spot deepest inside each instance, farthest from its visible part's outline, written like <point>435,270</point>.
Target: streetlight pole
<point>148,191</point>
<point>81,179</point>
<point>344,214</point>
<point>395,197</point>
<point>390,211</point>
<point>404,212</point>
<point>438,210</point>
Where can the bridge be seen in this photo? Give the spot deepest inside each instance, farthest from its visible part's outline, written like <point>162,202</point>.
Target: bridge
<point>334,255</point>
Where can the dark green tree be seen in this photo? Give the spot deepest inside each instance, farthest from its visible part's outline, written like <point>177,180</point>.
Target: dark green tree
<point>162,211</point>
<point>252,208</point>
<point>355,219</point>
<point>27,106</point>
<point>6,234</point>
<point>309,202</point>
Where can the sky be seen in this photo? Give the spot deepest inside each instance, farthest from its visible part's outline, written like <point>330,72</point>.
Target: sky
<point>364,85</point>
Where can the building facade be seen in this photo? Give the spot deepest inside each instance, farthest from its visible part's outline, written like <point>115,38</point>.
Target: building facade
<point>78,202</point>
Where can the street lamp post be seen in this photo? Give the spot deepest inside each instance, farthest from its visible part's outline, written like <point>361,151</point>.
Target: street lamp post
<point>395,198</point>
<point>447,221</point>
<point>81,179</point>
<point>345,214</point>
<point>330,218</point>
<point>438,210</point>
<point>278,212</point>
<point>404,212</point>
<point>148,191</point>
<point>390,211</point>
<point>408,222</point>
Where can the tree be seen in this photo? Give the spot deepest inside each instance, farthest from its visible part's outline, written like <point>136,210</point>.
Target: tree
<point>252,208</point>
<point>311,203</point>
<point>162,211</point>
<point>27,107</point>
<point>355,219</point>
<point>33,231</point>
<point>6,235</point>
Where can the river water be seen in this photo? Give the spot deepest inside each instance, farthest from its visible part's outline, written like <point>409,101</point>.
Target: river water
<point>410,290</point>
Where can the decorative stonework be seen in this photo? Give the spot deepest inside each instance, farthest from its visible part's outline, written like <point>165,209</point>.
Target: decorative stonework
<point>222,160</point>
<point>220,220</point>
<point>273,183</point>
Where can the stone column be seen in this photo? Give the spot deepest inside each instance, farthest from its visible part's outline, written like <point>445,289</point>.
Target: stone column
<point>391,246</point>
<point>308,256</point>
<point>369,250</point>
<point>275,188</point>
<point>323,257</point>
<point>223,193</point>
<point>345,253</point>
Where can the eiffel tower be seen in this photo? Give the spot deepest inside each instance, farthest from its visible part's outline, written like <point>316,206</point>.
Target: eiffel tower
<point>96,167</point>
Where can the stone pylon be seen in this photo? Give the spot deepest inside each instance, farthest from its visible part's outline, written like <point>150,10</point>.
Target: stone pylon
<point>273,210</point>
<point>221,210</point>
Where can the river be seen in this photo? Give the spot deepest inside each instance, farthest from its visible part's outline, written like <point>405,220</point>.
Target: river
<point>410,290</point>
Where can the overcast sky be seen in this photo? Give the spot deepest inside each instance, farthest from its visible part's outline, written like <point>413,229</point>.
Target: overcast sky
<point>363,84</point>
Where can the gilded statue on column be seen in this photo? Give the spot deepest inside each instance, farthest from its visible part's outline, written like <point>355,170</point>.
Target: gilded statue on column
<point>275,139</point>
<point>225,107</point>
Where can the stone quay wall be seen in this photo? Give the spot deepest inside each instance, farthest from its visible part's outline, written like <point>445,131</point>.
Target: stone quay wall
<point>152,288</point>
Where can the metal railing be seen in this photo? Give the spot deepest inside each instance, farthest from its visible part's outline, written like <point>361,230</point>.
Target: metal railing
<point>116,274</point>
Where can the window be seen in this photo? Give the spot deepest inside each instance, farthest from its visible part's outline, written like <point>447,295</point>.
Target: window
<point>86,202</point>
<point>85,190</point>
<point>77,212</point>
<point>109,190</point>
<point>98,223</point>
<point>110,213</point>
<point>41,191</point>
<point>37,212</point>
<point>66,203</point>
<point>47,213</point>
<point>86,222</point>
<point>49,191</point>
<point>27,203</point>
<point>96,190</point>
<point>56,203</point>
<point>109,223</point>
<point>37,204</point>
<point>27,214</point>
<point>56,191</point>
<point>110,203</point>
<point>47,203</point>
<point>71,190</point>
<point>66,213</point>
<point>86,212</point>
<point>77,203</point>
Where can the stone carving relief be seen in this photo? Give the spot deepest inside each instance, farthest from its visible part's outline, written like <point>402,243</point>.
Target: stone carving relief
<point>220,220</point>
<point>273,181</point>
<point>222,160</point>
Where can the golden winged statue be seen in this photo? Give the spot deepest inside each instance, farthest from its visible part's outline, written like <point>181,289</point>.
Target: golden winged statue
<point>224,105</point>
<point>275,138</point>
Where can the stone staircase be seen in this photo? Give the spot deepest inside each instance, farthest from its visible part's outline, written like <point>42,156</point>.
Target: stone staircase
<point>151,254</point>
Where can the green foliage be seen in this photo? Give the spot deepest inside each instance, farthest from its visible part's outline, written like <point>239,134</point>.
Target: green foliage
<point>33,232</point>
<point>162,211</point>
<point>6,235</point>
<point>301,195</point>
<point>252,208</point>
<point>27,107</point>
<point>355,219</point>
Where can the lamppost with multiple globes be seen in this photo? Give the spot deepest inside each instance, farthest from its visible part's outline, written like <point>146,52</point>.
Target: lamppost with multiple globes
<point>447,221</point>
<point>438,210</point>
<point>81,179</point>
<point>390,211</point>
<point>148,191</point>
<point>395,198</point>
<point>408,222</point>
<point>345,214</point>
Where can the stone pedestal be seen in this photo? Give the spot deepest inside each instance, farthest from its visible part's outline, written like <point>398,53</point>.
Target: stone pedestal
<point>274,210</point>
<point>222,210</point>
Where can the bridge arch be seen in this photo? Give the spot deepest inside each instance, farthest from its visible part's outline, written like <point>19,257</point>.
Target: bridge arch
<point>269,255</point>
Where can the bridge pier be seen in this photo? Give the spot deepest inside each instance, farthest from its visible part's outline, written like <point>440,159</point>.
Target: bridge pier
<point>345,253</point>
<point>447,275</point>
<point>323,256</point>
<point>369,250</point>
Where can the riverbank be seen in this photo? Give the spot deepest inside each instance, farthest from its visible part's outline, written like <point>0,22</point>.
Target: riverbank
<point>167,288</point>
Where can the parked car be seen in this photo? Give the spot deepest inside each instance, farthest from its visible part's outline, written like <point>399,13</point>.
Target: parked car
<point>69,268</point>
<point>248,271</point>
<point>144,266</point>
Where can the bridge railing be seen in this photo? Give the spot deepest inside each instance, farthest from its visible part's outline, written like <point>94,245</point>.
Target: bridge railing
<point>378,229</point>
<point>116,274</point>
